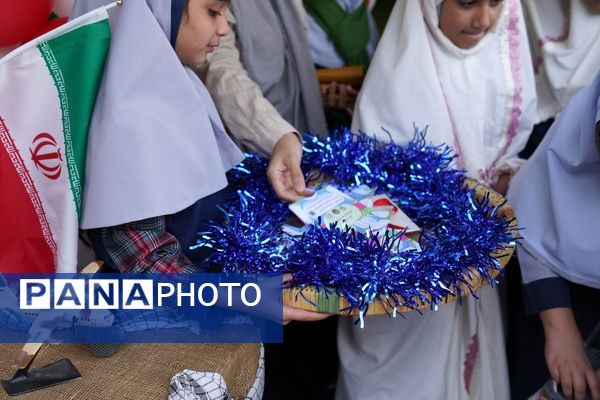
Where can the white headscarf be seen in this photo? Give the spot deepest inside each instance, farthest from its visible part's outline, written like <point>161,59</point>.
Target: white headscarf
<point>565,41</point>
<point>481,100</point>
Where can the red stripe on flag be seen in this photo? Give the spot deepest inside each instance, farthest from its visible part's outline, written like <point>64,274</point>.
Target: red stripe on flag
<point>24,245</point>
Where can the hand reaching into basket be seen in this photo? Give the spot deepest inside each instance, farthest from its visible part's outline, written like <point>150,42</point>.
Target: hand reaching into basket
<point>284,171</point>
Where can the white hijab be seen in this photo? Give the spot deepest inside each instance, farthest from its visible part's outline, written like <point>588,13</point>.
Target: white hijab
<point>481,101</point>
<point>565,41</point>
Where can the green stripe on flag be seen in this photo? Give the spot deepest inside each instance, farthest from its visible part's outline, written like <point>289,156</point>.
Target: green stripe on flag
<point>75,61</point>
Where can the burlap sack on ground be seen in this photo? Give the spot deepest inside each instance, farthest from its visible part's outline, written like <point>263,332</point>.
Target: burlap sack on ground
<point>138,371</point>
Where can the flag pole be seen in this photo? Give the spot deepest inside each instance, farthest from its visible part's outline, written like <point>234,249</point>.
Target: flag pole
<point>114,4</point>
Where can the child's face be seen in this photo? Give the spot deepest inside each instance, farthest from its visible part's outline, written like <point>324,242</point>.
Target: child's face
<point>202,25</point>
<point>466,22</point>
<point>593,5</point>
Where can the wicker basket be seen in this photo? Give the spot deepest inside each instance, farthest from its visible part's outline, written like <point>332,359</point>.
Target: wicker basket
<point>333,304</point>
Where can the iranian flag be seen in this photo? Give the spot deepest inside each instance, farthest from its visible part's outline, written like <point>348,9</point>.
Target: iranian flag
<point>47,92</point>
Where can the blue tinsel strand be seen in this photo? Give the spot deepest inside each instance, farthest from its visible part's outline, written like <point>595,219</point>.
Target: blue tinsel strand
<point>458,231</point>
<point>250,240</point>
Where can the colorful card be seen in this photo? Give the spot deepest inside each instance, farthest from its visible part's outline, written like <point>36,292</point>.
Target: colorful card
<point>359,209</point>
<point>309,209</point>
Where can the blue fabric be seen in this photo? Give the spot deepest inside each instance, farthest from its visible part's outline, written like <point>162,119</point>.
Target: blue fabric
<point>186,224</point>
<point>545,294</point>
<point>177,7</point>
<point>95,236</point>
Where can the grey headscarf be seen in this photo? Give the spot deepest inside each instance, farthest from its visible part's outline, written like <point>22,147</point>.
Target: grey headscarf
<point>556,194</point>
<point>274,50</point>
<point>156,143</point>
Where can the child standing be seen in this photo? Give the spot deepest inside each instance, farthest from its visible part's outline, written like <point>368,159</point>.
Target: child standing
<point>156,144</point>
<point>463,70</point>
<point>555,196</point>
<point>157,150</point>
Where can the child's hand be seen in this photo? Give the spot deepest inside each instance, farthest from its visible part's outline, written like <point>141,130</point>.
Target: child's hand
<point>501,186</point>
<point>284,171</point>
<point>338,95</point>
<point>566,357</point>
<point>296,314</point>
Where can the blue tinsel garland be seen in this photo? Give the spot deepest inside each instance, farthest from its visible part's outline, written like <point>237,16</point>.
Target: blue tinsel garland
<point>458,231</point>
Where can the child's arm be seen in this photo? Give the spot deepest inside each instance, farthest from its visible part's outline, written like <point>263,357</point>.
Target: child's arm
<point>251,119</point>
<point>565,355</point>
<point>548,295</point>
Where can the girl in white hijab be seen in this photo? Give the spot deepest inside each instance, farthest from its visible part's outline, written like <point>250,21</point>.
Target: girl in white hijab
<point>564,37</point>
<point>463,70</point>
<point>480,100</point>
